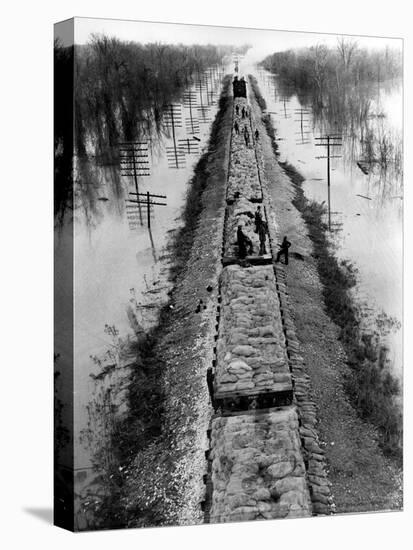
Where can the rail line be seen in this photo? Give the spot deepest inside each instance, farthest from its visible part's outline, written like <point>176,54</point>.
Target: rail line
<point>264,459</point>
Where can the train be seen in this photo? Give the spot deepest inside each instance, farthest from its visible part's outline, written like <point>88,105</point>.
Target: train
<point>239,87</point>
<point>263,461</point>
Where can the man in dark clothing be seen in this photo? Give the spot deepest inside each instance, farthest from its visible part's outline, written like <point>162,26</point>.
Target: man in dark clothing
<point>262,233</point>
<point>284,246</point>
<point>236,127</point>
<point>246,137</point>
<point>258,218</point>
<point>257,135</point>
<point>237,109</point>
<point>244,243</point>
<point>243,112</point>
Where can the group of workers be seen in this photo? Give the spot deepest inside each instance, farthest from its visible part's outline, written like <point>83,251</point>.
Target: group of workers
<point>244,114</point>
<point>246,133</point>
<point>245,245</point>
<point>244,242</point>
<point>244,111</point>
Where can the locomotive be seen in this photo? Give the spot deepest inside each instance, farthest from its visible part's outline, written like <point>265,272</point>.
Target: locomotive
<point>239,87</point>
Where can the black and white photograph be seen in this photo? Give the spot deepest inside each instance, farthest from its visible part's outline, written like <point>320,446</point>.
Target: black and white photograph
<point>228,274</point>
<point>205,275</point>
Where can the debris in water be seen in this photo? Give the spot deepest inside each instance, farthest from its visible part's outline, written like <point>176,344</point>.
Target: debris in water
<point>363,167</point>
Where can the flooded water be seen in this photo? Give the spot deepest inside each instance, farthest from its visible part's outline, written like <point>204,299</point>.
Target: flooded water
<point>121,267</point>
<point>366,210</point>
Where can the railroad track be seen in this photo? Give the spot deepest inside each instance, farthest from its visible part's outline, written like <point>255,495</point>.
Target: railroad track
<point>264,460</point>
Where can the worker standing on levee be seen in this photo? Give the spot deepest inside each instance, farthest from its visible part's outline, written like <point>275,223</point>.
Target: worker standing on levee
<point>243,112</point>
<point>284,246</point>
<point>257,135</point>
<point>258,218</point>
<point>244,243</point>
<point>236,127</point>
<point>262,233</point>
<point>237,109</point>
<point>246,136</point>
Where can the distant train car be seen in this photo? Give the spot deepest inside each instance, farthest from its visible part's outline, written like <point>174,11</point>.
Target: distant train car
<point>239,87</point>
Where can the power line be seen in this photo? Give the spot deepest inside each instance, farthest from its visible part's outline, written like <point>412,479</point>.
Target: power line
<point>328,141</point>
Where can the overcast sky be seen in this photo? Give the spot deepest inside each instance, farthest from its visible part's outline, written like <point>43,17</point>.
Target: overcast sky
<point>263,41</point>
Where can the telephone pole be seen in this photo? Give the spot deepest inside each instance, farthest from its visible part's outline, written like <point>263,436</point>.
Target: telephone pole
<point>328,141</point>
<point>146,199</point>
<point>134,162</point>
<point>189,147</point>
<point>301,113</point>
<point>192,123</point>
<point>173,120</point>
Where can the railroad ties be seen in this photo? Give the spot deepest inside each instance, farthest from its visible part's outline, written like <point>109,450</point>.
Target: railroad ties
<point>257,463</point>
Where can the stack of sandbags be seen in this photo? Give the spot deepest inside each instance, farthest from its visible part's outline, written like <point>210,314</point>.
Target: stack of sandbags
<point>257,467</point>
<point>241,212</point>
<point>243,178</point>
<point>251,353</point>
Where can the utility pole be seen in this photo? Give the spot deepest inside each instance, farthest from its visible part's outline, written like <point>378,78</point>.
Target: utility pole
<point>201,87</point>
<point>192,124</point>
<point>189,147</point>
<point>173,120</point>
<point>203,110</point>
<point>212,83</point>
<point>146,199</point>
<point>329,140</point>
<point>206,85</point>
<point>285,100</point>
<point>134,162</point>
<point>301,113</point>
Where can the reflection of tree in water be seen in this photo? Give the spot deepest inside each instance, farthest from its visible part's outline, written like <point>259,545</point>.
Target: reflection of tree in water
<point>104,432</point>
<point>121,91</point>
<point>63,129</point>
<point>123,412</point>
<point>344,86</point>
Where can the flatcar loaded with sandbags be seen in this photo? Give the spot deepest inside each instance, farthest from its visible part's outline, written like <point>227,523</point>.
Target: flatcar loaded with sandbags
<point>264,461</point>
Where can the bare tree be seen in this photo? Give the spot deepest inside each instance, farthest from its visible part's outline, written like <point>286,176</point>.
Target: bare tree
<point>319,54</point>
<point>346,49</point>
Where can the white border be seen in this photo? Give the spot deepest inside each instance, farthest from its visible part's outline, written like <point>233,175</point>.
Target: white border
<point>26,287</point>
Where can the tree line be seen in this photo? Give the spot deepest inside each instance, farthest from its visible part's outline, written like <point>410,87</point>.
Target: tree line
<point>320,68</point>
<point>342,85</point>
<point>122,88</point>
<point>108,91</point>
